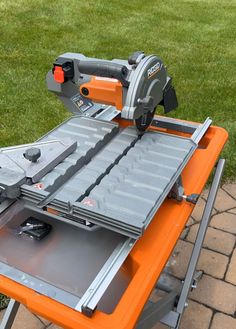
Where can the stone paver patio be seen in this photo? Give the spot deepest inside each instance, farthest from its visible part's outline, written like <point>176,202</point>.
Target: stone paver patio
<point>213,304</point>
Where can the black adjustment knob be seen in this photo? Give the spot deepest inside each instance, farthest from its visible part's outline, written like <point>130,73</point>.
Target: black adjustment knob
<point>85,91</point>
<point>193,198</point>
<point>32,154</point>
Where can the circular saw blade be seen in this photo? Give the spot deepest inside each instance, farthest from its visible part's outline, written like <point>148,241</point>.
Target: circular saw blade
<point>144,121</point>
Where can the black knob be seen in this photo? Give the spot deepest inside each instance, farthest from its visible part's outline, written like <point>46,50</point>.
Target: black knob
<point>85,91</point>
<point>32,154</point>
<point>193,198</point>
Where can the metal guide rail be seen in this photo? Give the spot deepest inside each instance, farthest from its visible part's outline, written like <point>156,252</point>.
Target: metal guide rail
<point>108,190</point>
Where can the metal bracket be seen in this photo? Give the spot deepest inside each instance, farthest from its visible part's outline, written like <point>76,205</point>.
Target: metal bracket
<point>196,278</point>
<point>177,191</point>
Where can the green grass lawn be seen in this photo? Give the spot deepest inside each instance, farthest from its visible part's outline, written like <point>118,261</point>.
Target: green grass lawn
<point>196,39</point>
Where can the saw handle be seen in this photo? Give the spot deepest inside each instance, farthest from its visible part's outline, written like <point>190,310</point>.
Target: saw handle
<point>105,69</point>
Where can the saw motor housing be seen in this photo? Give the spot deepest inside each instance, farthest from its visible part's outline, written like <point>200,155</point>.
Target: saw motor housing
<point>134,86</point>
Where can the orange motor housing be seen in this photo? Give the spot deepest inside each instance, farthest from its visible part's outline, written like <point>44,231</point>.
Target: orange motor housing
<point>103,90</point>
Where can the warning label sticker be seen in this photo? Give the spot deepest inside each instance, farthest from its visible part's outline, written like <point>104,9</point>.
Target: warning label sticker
<point>82,103</point>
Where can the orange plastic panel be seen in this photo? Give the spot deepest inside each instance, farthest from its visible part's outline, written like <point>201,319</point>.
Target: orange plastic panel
<point>146,260</point>
<point>103,90</point>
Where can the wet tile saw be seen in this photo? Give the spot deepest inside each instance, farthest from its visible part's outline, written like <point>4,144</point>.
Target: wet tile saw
<point>97,176</point>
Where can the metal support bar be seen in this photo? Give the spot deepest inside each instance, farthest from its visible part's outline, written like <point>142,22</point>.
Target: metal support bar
<point>153,312</point>
<point>200,238</point>
<point>170,319</point>
<point>10,314</point>
<point>197,130</point>
<point>174,124</point>
<point>177,190</point>
<point>201,130</point>
<point>91,297</point>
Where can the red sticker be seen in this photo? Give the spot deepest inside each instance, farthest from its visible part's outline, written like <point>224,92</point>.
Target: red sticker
<point>89,202</point>
<point>39,186</point>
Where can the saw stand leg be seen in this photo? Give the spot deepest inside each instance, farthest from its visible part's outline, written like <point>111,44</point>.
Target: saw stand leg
<point>169,309</point>
<point>10,314</point>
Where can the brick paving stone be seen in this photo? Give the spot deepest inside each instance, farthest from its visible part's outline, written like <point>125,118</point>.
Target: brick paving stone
<point>231,273</point>
<point>179,261</point>
<point>216,294</point>
<point>54,326</point>
<point>224,201</point>
<point>196,316</point>
<point>205,193</point>
<point>198,209</point>
<point>184,233</point>
<point>190,222</point>
<point>222,321</point>
<point>231,189</point>
<point>224,221</point>
<point>25,319</point>
<point>210,262</point>
<point>45,321</point>
<point>233,211</point>
<point>215,239</point>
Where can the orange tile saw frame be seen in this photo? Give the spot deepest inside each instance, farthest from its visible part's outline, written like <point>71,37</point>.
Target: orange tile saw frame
<point>104,252</point>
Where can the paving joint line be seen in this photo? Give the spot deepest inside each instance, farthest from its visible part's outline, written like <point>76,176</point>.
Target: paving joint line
<point>207,248</point>
<point>38,318</point>
<point>214,311</point>
<point>221,230</point>
<point>212,308</point>
<point>230,258</point>
<point>228,193</point>
<point>222,211</point>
